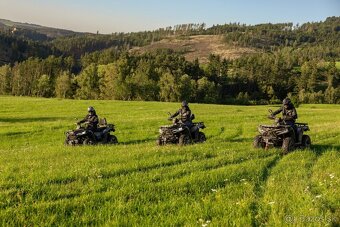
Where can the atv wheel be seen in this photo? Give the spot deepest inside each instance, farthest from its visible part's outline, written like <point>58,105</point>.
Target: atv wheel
<point>305,142</point>
<point>88,141</point>
<point>288,145</point>
<point>201,137</point>
<point>69,142</point>
<point>184,139</point>
<point>112,139</point>
<point>160,141</point>
<point>258,143</point>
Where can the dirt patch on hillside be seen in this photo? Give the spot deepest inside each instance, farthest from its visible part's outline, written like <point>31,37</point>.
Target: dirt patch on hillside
<point>200,46</point>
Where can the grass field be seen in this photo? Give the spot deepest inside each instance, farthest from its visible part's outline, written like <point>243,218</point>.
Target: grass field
<point>223,182</point>
<point>337,64</point>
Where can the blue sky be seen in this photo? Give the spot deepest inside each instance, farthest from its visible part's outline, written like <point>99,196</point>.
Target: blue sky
<point>109,16</point>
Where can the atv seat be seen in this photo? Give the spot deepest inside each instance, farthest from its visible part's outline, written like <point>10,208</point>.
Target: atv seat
<point>193,128</point>
<point>102,122</point>
<point>301,124</point>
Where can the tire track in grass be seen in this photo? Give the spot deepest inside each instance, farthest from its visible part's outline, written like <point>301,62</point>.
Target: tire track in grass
<point>161,186</point>
<point>259,189</point>
<point>65,180</point>
<point>324,185</point>
<point>285,195</point>
<point>179,161</point>
<point>39,194</point>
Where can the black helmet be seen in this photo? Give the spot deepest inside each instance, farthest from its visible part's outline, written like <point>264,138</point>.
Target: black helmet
<point>286,101</point>
<point>184,103</point>
<point>90,109</point>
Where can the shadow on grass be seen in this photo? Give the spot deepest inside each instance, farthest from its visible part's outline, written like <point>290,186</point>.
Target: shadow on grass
<point>220,132</point>
<point>320,149</point>
<point>16,133</point>
<point>138,141</point>
<point>20,134</point>
<point>30,119</point>
<point>238,140</point>
<point>62,180</point>
<point>250,140</point>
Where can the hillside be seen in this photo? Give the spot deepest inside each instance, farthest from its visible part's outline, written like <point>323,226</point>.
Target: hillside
<point>198,46</point>
<point>265,63</point>
<point>223,182</point>
<point>29,30</point>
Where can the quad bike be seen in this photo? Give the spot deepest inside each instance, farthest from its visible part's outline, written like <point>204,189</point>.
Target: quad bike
<point>84,136</point>
<point>282,135</point>
<point>179,133</point>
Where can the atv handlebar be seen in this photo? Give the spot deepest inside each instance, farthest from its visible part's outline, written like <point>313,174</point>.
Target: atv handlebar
<point>79,123</point>
<point>277,120</point>
<point>272,117</point>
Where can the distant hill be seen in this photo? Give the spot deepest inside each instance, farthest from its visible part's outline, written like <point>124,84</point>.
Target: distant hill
<point>198,46</point>
<point>33,31</point>
<point>266,63</point>
<point>19,41</point>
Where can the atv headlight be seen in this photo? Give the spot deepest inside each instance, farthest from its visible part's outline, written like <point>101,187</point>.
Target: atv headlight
<point>81,133</point>
<point>261,131</point>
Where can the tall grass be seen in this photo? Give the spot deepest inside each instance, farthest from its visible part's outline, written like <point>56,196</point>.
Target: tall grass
<point>222,182</point>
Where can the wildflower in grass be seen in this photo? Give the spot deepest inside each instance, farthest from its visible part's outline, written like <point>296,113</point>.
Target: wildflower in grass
<point>204,223</point>
<point>331,175</point>
<point>243,180</point>
<point>271,203</point>
<point>214,190</point>
<point>306,189</point>
<point>318,196</point>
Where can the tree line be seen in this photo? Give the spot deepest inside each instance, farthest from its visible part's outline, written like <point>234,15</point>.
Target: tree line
<point>166,76</point>
<point>295,61</point>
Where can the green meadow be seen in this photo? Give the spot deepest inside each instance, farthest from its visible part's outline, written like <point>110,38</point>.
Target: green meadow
<point>222,182</point>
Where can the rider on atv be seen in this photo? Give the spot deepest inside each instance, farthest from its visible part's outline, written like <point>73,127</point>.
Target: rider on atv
<point>91,119</point>
<point>183,131</point>
<point>289,114</point>
<point>185,115</point>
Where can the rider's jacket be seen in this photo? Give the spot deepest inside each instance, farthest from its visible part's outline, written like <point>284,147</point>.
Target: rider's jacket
<point>288,114</point>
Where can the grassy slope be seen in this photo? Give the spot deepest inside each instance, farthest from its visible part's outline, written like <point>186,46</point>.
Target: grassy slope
<point>221,182</point>
<point>198,46</point>
<point>49,31</point>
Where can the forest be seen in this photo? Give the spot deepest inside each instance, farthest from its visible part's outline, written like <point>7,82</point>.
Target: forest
<point>298,61</point>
